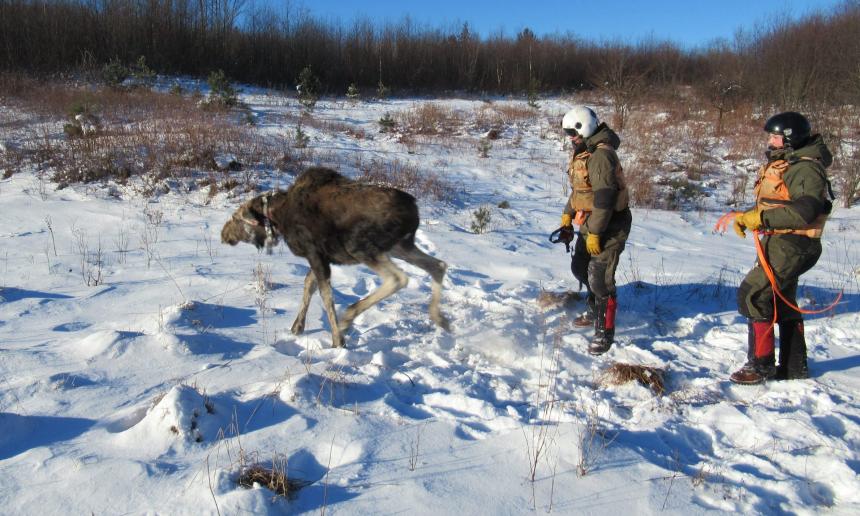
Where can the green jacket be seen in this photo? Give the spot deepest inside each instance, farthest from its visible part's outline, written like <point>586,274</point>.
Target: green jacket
<point>807,185</point>
<point>601,174</point>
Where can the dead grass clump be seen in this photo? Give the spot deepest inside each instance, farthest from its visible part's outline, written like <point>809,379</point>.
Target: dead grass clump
<point>640,185</point>
<point>153,135</point>
<point>515,113</point>
<point>548,300</point>
<point>619,373</point>
<point>408,177</point>
<point>273,478</point>
<point>486,118</point>
<point>429,119</point>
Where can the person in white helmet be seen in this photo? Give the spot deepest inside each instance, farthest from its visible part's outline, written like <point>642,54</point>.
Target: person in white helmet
<point>598,204</point>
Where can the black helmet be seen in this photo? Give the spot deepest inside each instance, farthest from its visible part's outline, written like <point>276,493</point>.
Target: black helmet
<point>793,127</point>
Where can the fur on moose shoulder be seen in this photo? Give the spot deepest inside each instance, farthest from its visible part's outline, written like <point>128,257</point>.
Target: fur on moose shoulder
<point>327,219</point>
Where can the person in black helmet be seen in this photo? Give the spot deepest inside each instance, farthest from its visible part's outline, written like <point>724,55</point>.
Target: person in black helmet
<point>792,205</point>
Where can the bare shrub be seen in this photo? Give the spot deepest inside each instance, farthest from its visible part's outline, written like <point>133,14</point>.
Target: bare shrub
<point>738,194</point>
<point>141,133</point>
<point>408,177</point>
<point>91,261</point>
<point>640,185</point>
<point>486,117</point>
<point>622,76</point>
<point>429,118</point>
<point>593,439</point>
<point>619,373</point>
<point>848,178</point>
<point>697,148</point>
<point>545,409</point>
<point>648,131</point>
<point>511,114</point>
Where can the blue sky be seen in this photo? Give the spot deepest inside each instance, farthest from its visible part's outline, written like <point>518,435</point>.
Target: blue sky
<point>690,23</point>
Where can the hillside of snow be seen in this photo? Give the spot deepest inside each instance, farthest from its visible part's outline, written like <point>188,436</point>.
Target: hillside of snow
<point>144,366</point>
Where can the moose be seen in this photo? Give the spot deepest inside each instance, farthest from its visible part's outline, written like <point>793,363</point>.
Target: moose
<point>328,219</point>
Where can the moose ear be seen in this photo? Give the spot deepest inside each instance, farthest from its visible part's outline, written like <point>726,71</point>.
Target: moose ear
<point>248,215</point>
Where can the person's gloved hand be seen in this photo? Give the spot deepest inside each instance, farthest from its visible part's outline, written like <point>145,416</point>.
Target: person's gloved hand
<point>592,244</point>
<point>750,219</point>
<point>566,221</point>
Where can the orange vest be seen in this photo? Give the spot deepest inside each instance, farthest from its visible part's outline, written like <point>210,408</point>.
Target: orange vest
<point>582,199</point>
<point>772,192</point>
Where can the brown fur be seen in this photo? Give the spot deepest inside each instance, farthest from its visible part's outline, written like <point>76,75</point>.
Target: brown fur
<point>330,219</point>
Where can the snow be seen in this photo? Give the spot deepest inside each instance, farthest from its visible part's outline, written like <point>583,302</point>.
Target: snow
<point>149,392</point>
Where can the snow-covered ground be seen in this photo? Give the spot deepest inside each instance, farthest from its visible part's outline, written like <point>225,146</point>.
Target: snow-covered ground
<point>149,392</point>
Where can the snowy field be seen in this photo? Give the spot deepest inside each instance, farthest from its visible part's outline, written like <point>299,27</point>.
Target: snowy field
<point>153,390</point>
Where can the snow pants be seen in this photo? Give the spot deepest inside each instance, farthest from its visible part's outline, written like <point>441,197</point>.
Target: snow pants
<point>789,257</point>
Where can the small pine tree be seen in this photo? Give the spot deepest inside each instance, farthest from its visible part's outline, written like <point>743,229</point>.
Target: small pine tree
<point>386,123</point>
<point>484,146</point>
<point>382,91</point>
<point>301,139</point>
<point>220,89</point>
<point>143,73</point>
<point>532,92</point>
<point>352,93</point>
<point>176,89</point>
<point>308,86</point>
<point>481,220</point>
<point>114,73</point>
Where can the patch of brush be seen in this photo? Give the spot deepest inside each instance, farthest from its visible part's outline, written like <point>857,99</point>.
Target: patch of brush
<point>273,477</point>
<point>619,373</point>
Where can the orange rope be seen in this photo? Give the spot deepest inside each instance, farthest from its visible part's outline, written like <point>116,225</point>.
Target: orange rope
<point>722,226</point>
<point>768,271</point>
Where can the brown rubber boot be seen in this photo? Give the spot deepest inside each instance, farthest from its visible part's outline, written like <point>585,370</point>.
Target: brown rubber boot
<point>586,319</point>
<point>760,355</point>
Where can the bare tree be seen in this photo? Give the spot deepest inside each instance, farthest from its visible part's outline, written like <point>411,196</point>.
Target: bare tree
<point>621,78</point>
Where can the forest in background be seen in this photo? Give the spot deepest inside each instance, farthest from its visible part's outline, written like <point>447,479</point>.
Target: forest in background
<point>779,62</point>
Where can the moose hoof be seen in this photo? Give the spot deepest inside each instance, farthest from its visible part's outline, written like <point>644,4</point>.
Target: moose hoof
<point>442,322</point>
<point>337,342</point>
<point>298,328</point>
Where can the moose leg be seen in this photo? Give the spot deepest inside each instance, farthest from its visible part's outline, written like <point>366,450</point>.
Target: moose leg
<point>310,288</point>
<point>406,251</point>
<point>322,272</point>
<point>393,279</point>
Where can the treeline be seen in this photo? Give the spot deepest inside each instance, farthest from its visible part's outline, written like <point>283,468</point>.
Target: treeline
<point>783,63</point>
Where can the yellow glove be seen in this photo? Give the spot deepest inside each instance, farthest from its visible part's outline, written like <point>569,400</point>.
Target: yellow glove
<point>566,221</point>
<point>750,219</point>
<point>592,244</point>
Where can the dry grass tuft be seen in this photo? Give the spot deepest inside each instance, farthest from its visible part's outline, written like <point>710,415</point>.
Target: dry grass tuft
<point>619,373</point>
<point>407,176</point>
<point>548,300</point>
<point>515,113</point>
<point>273,478</point>
<point>156,136</point>
<point>429,119</point>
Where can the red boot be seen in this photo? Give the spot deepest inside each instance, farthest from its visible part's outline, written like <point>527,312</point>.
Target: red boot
<point>760,355</point>
<point>604,326</point>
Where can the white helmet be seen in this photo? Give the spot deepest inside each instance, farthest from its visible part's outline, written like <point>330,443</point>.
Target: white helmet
<point>580,120</point>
